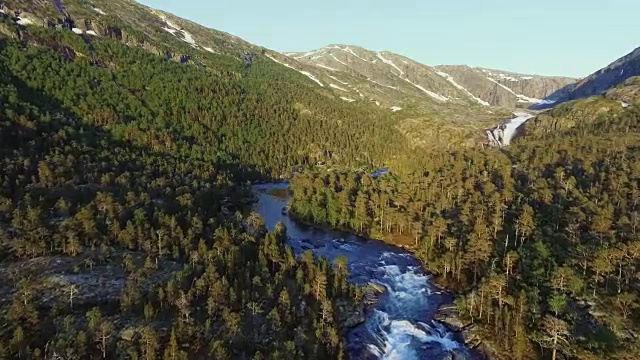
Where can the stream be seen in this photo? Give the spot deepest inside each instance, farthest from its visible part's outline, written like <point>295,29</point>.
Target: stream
<point>400,325</point>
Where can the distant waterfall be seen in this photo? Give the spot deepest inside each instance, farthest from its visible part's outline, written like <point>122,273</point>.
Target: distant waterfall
<point>502,134</point>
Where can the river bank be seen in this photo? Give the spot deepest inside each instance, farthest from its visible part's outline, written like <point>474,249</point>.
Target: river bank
<point>404,323</point>
<point>465,332</point>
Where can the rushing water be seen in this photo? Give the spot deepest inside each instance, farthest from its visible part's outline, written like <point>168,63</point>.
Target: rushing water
<point>400,325</point>
<point>503,134</point>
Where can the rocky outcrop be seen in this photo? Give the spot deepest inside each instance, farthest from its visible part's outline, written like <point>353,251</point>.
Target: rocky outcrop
<point>372,293</point>
<point>86,280</point>
<point>465,332</point>
<point>627,93</point>
<point>350,316</point>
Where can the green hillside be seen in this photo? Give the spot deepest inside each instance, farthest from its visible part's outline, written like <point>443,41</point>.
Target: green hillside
<point>127,168</point>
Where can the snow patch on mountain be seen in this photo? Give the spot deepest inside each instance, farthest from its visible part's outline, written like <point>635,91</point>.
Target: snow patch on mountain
<point>454,83</point>
<point>395,108</point>
<point>522,98</point>
<point>502,86</point>
<point>501,76</point>
<point>310,76</point>
<point>169,30</point>
<point>529,100</point>
<point>91,32</point>
<point>209,49</point>
<point>338,87</point>
<point>430,93</point>
<point>99,11</point>
<point>546,102</point>
<point>390,63</point>
<point>403,77</point>
<point>346,99</point>
<point>298,56</point>
<point>173,29</point>
<point>338,80</point>
<point>338,60</point>
<point>350,51</point>
<point>305,73</point>
<point>326,67</point>
<point>77,31</point>
<point>387,86</point>
<point>188,38</point>
<point>24,21</point>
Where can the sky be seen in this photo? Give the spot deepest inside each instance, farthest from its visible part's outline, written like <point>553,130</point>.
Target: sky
<point>543,37</point>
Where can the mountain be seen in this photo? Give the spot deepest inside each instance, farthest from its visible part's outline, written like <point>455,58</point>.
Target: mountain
<point>385,78</point>
<point>606,78</point>
<point>506,89</point>
<point>389,78</point>
<point>127,21</point>
<point>443,116</point>
<point>243,94</point>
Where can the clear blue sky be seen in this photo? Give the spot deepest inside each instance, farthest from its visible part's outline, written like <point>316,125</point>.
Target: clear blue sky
<point>547,37</point>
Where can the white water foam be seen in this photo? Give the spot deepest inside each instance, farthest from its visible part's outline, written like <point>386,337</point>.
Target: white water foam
<point>513,125</point>
<point>440,335</point>
<point>398,337</point>
<point>348,247</point>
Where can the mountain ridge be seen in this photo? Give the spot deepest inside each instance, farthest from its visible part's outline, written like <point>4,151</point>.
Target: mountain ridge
<point>480,89</point>
<point>606,78</point>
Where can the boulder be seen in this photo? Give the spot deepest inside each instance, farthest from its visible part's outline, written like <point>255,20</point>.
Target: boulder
<point>449,318</point>
<point>355,318</point>
<point>471,336</point>
<point>459,354</point>
<point>349,315</point>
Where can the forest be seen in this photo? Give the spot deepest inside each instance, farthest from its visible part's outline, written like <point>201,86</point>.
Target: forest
<point>111,169</point>
<point>541,241</point>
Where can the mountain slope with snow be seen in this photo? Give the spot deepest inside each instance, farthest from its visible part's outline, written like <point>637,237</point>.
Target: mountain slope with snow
<point>133,23</point>
<point>386,78</point>
<point>507,89</point>
<point>399,78</point>
<point>430,108</point>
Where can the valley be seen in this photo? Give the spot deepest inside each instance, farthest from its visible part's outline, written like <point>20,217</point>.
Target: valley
<point>400,324</point>
<point>171,191</point>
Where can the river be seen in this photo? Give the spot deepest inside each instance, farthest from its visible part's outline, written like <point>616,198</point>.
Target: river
<point>400,325</point>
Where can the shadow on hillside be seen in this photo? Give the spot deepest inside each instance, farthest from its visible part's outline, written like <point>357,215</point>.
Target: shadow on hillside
<point>87,134</point>
<point>559,96</point>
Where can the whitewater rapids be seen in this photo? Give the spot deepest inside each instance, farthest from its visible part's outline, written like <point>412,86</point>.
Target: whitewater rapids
<point>400,325</point>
